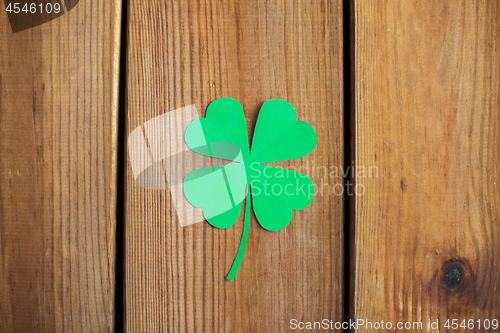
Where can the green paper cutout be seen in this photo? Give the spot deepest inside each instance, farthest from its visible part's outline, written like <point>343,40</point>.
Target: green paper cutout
<point>275,192</point>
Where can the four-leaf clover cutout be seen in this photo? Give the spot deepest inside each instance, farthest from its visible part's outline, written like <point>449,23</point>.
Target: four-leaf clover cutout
<point>221,190</point>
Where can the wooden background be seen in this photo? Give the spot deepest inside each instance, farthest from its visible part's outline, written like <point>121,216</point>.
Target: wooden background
<point>251,51</point>
<point>427,114</point>
<point>422,120</point>
<point>58,126</point>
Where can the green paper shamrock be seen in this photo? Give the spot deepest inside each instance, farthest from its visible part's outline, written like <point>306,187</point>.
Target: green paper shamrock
<point>275,192</point>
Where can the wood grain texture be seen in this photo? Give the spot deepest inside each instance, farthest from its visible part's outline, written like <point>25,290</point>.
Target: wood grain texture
<point>427,114</point>
<point>58,109</point>
<point>182,53</point>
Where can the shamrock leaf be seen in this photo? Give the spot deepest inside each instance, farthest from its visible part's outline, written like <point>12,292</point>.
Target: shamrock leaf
<point>275,192</point>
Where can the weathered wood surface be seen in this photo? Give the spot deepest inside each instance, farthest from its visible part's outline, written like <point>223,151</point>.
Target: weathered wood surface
<point>427,114</point>
<point>183,53</point>
<point>58,109</point>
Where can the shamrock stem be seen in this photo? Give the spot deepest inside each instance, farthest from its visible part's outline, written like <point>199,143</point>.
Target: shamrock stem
<point>243,243</point>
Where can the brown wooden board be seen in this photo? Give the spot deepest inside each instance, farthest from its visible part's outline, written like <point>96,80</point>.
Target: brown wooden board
<point>427,114</point>
<point>181,53</point>
<point>58,109</point>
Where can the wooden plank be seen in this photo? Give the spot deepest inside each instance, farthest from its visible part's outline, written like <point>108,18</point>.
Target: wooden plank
<point>183,53</point>
<point>427,228</point>
<point>58,126</point>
